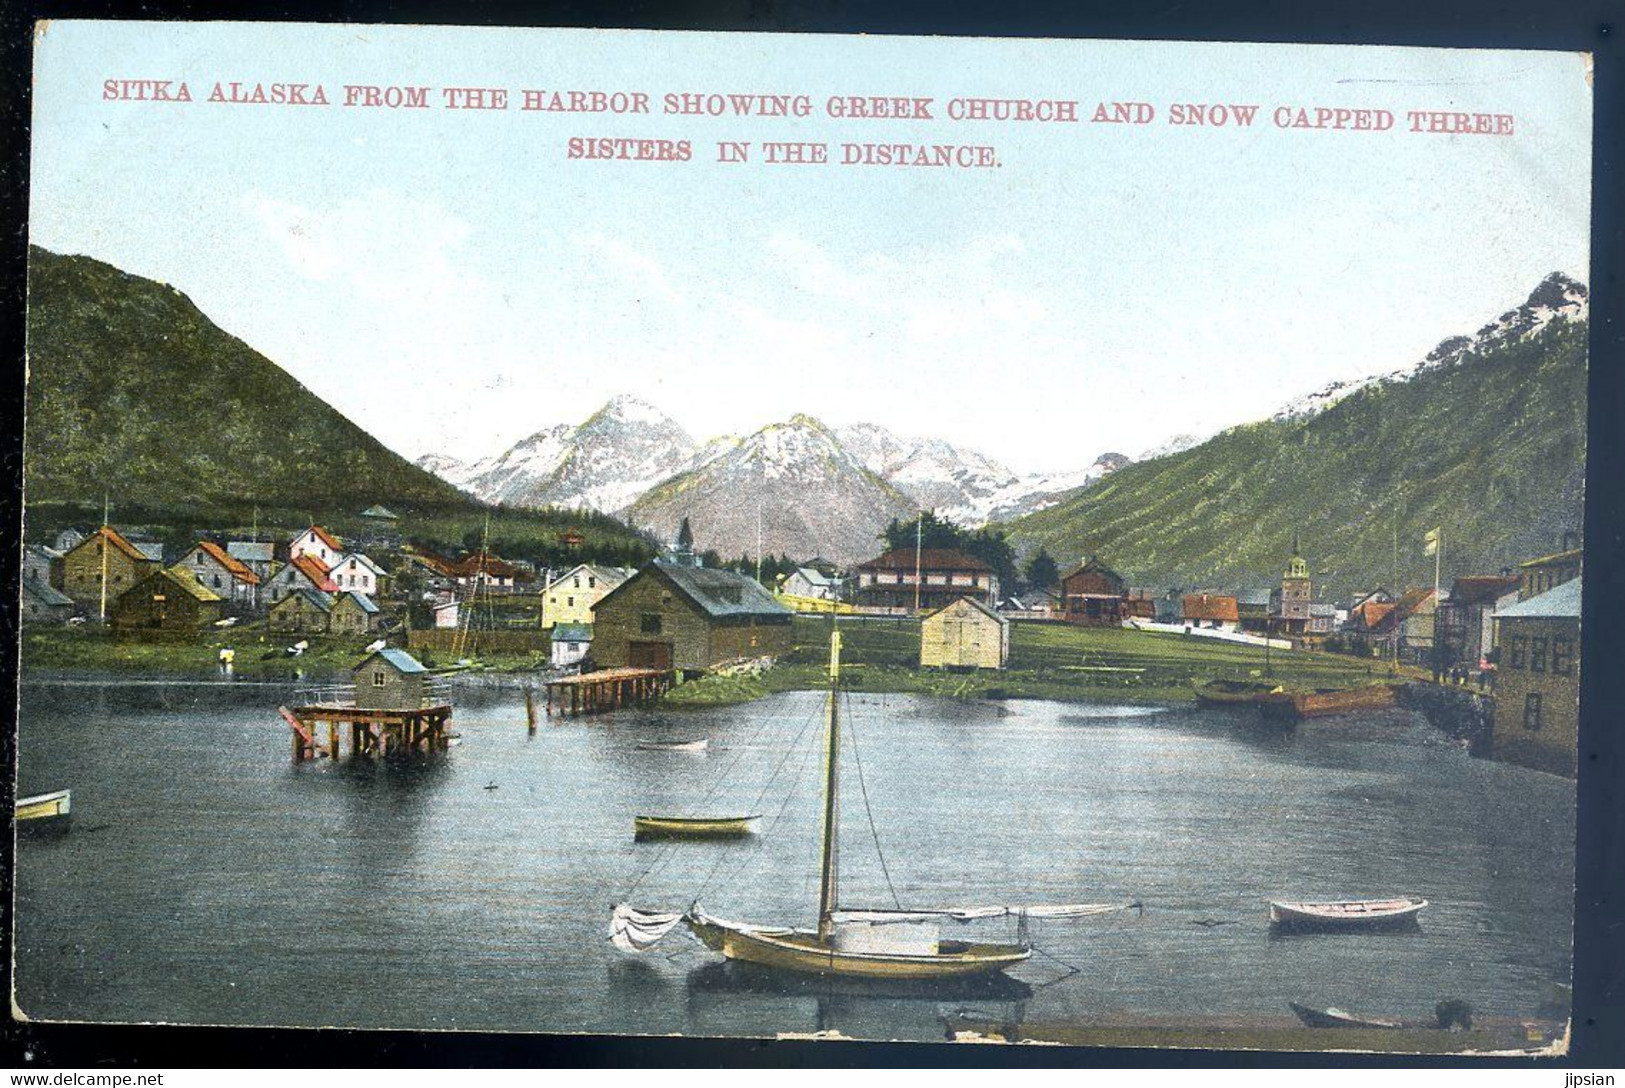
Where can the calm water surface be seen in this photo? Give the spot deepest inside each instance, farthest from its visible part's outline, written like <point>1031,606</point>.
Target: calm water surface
<point>208,879</point>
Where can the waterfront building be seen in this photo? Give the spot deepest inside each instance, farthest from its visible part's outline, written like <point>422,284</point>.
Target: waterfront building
<point>391,679</point>
<point>571,597</point>
<point>1537,681</point>
<point>1291,603</point>
<point>570,643</point>
<point>1412,623</point>
<point>1467,619</point>
<point>965,634</point>
<point>1255,609</point>
<point>105,549</point>
<point>166,601</point>
<point>674,616</point>
<point>1093,595</point>
<point>890,580</point>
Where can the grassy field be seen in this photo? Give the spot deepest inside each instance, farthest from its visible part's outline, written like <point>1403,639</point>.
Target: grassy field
<point>1048,661</point>
<point>260,654</point>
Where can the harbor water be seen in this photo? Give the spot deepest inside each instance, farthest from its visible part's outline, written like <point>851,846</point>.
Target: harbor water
<point>206,878</point>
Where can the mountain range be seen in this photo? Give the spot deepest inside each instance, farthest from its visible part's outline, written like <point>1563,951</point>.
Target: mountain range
<point>819,490</point>
<point>1483,438</point>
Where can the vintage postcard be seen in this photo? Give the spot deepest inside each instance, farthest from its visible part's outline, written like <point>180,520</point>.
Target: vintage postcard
<point>754,535</point>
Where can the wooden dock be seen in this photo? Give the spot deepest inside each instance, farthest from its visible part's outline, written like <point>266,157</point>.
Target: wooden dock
<point>607,690</point>
<point>371,732</point>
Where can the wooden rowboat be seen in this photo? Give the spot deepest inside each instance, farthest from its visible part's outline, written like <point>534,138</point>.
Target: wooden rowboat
<point>1326,701</point>
<point>674,745</point>
<point>1346,913</point>
<point>1337,1018</point>
<point>1241,693</point>
<point>692,827</point>
<point>46,806</point>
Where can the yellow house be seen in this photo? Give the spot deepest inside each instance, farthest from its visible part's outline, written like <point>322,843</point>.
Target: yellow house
<point>1537,681</point>
<point>964,634</point>
<point>570,597</point>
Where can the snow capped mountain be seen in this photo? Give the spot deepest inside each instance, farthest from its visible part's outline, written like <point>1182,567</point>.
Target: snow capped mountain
<point>960,484</point>
<point>618,453</point>
<point>794,482</point>
<point>1558,298</point>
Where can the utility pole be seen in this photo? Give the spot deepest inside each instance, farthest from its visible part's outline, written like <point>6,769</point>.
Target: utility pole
<point>919,529</point>
<point>102,546</point>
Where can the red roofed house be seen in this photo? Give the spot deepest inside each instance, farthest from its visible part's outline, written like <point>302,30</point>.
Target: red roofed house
<point>105,550</point>
<point>217,570</point>
<point>305,572</point>
<point>317,542</point>
<point>945,575</point>
<point>1211,610</point>
<point>482,570</point>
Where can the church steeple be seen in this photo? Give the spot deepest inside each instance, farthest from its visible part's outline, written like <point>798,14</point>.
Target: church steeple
<point>1296,566</point>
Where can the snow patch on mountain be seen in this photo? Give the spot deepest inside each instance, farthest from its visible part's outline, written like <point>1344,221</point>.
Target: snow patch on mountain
<point>1558,298</point>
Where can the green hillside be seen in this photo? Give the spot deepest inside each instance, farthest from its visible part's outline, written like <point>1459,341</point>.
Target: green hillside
<point>134,392</point>
<point>135,395</point>
<point>1491,448</point>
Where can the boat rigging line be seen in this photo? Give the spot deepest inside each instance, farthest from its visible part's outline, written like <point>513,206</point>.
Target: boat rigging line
<point>852,730</point>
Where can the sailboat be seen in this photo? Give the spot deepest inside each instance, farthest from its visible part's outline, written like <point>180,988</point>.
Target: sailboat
<point>870,944</point>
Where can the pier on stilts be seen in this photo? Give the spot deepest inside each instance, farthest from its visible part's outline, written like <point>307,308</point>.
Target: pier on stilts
<point>607,690</point>
<point>324,729</point>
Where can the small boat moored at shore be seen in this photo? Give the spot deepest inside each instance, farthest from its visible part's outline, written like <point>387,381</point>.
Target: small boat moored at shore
<point>1327,701</point>
<point>1346,913</point>
<point>1241,693</point>
<point>692,827</point>
<point>45,806</point>
<point>1337,1018</point>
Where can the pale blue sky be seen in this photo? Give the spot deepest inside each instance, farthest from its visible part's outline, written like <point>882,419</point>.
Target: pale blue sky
<point>451,282</point>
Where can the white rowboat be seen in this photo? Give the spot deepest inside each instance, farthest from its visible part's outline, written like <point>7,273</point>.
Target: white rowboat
<point>1346,913</point>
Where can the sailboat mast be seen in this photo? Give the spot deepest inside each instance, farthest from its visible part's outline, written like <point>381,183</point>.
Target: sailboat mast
<point>832,747</point>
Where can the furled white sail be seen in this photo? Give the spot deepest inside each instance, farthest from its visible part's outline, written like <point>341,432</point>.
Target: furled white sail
<point>971,914</point>
<point>633,930</point>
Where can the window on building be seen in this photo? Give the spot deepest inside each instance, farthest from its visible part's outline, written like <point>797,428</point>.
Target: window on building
<point>378,678</point>
<point>1537,655</point>
<point>1531,712</point>
<point>569,602</point>
<point>578,581</point>
<point>1516,648</point>
<point>649,623</point>
<point>1562,656</point>
<point>592,583</point>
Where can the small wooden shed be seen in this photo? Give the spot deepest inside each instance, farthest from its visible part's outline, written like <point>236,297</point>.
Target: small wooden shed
<point>353,614</point>
<point>964,634</point>
<point>391,679</point>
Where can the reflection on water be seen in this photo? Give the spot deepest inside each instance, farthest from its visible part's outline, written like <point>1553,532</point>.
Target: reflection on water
<point>207,878</point>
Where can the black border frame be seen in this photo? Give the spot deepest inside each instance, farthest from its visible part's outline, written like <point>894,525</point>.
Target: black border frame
<point>1599,962</point>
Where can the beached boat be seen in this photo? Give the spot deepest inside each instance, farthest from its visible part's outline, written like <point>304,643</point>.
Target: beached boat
<point>1337,1018</point>
<point>1240,693</point>
<point>674,745</point>
<point>1326,701</point>
<point>45,806</point>
<point>900,945</point>
<point>692,827</point>
<point>1346,913</point>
